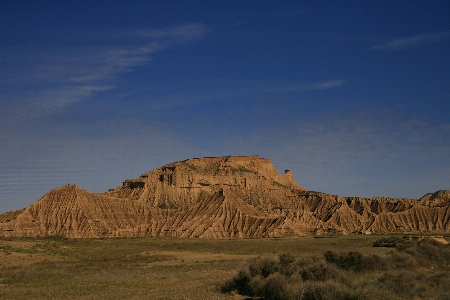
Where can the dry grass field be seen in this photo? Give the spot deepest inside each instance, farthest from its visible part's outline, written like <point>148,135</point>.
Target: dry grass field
<point>157,268</point>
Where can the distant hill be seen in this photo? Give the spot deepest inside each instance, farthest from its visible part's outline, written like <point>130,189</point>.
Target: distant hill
<point>220,197</point>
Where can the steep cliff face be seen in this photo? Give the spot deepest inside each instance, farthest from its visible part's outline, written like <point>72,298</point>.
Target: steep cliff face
<point>181,183</point>
<point>220,197</point>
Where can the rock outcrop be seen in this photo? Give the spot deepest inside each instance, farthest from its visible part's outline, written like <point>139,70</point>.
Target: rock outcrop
<point>220,197</point>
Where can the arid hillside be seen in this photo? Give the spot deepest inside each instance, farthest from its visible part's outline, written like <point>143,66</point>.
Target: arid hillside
<point>220,197</point>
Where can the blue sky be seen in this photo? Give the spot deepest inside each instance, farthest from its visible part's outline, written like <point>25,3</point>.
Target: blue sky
<point>353,96</point>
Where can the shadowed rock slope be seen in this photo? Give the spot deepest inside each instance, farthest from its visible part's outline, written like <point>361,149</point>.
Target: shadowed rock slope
<point>220,197</point>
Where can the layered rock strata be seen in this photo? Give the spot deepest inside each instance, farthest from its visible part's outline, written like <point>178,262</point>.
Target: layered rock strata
<point>220,197</point>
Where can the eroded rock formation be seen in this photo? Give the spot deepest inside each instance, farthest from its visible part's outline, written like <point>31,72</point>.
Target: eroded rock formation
<point>220,197</point>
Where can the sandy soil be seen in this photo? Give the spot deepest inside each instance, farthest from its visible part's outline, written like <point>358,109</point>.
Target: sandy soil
<point>22,259</point>
<point>17,259</point>
<point>441,240</point>
<point>183,257</point>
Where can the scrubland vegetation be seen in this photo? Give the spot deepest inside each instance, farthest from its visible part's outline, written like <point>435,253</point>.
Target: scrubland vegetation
<point>342,267</point>
<point>412,270</point>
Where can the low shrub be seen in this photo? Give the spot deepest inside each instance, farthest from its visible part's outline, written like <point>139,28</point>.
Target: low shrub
<point>262,266</point>
<point>304,261</point>
<point>327,290</point>
<point>386,242</point>
<point>240,283</point>
<point>351,275</point>
<point>394,242</point>
<point>275,288</point>
<point>288,265</point>
<point>432,250</point>
<point>400,260</point>
<point>251,276</point>
<point>323,272</point>
<point>355,261</point>
<point>401,283</point>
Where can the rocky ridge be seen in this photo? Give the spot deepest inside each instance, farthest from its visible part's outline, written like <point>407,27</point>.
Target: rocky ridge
<point>220,197</point>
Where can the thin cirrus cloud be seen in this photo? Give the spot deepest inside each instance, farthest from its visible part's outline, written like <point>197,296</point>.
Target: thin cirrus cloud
<point>317,86</point>
<point>412,41</point>
<point>60,76</point>
<point>193,31</point>
<point>52,100</point>
<point>255,88</point>
<point>250,88</point>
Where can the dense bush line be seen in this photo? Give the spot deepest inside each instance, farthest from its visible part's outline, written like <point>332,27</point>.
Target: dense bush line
<point>413,269</point>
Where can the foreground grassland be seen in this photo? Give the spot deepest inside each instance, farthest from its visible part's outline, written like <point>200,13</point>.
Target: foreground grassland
<point>171,268</point>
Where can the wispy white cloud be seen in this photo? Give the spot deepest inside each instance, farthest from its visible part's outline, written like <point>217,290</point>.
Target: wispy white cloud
<point>412,41</point>
<point>316,86</point>
<point>223,90</point>
<point>193,31</point>
<point>255,88</point>
<point>52,100</point>
<point>59,77</point>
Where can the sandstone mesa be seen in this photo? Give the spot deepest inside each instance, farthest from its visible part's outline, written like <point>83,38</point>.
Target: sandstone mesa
<point>220,197</point>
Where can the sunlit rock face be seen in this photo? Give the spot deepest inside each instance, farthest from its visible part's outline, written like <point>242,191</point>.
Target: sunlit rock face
<point>220,197</point>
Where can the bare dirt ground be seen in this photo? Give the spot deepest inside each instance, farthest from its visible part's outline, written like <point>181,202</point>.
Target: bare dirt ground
<point>441,240</point>
<point>186,257</point>
<point>22,259</point>
<point>12,258</point>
